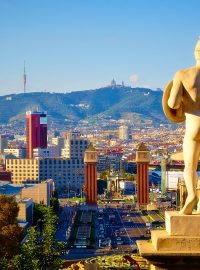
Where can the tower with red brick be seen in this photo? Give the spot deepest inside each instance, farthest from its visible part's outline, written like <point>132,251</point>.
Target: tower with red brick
<point>142,161</point>
<point>90,160</point>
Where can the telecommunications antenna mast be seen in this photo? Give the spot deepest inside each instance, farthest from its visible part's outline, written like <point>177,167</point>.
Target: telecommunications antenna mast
<point>24,78</point>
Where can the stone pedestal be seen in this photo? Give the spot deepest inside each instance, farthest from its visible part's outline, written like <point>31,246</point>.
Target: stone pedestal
<point>177,247</point>
<point>182,225</point>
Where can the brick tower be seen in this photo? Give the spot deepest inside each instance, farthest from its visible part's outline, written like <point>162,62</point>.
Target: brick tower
<point>90,160</point>
<point>142,160</point>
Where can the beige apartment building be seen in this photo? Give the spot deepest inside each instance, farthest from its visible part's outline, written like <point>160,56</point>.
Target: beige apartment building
<point>40,193</point>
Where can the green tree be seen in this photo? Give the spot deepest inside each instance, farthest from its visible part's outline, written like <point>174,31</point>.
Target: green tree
<point>4,264</point>
<point>10,232</point>
<point>31,251</point>
<point>50,248</point>
<point>8,210</point>
<point>130,177</point>
<point>104,174</point>
<point>41,250</point>
<point>38,214</point>
<point>55,205</point>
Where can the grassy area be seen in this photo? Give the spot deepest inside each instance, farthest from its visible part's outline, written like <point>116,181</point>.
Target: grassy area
<point>76,200</point>
<point>77,223</point>
<point>129,200</point>
<point>148,216</point>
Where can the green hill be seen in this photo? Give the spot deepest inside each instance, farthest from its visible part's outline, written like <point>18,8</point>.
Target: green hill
<point>113,102</point>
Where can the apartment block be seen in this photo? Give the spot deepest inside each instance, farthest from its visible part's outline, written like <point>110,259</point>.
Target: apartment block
<point>16,152</point>
<point>75,146</point>
<point>40,193</point>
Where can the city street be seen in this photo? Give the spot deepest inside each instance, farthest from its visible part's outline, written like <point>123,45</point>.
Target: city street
<point>117,228</point>
<point>64,223</point>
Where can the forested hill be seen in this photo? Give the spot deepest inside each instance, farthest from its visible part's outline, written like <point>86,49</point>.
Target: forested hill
<point>114,102</point>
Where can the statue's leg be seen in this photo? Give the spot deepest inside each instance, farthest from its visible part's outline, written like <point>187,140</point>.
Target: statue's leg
<point>191,150</point>
<point>198,204</point>
<point>198,193</point>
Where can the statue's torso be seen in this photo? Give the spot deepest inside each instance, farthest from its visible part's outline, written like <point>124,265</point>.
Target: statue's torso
<point>190,79</point>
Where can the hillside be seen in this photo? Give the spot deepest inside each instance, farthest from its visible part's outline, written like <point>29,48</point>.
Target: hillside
<point>114,102</point>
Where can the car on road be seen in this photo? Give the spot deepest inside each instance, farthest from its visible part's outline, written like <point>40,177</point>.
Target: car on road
<point>120,242</point>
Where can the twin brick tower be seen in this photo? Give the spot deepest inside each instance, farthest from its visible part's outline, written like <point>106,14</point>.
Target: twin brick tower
<point>90,161</point>
<point>36,129</point>
<point>142,160</point>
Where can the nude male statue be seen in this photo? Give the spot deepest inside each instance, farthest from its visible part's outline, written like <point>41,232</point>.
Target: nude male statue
<point>184,102</point>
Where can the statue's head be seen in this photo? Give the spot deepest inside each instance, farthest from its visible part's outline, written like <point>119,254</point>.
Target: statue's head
<point>197,50</point>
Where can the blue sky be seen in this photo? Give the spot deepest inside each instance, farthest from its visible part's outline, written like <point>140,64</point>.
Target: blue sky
<point>82,44</point>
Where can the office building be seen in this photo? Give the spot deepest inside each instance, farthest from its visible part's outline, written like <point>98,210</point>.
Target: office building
<point>15,152</point>
<point>90,160</point>
<point>124,133</point>
<point>41,153</point>
<point>50,152</point>
<point>142,161</point>
<point>75,146</point>
<point>3,143</point>
<point>66,173</point>
<point>58,142</point>
<point>108,162</point>
<point>36,131</point>
<point>2,160</point>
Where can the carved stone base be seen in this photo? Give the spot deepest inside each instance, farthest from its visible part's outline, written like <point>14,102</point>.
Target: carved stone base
<point>182,225</point>
<point>168,260</point>
<point>162,241</point>
<point>177,247</point>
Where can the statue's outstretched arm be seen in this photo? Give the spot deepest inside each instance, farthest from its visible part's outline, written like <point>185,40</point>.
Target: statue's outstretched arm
<point>176,93</point>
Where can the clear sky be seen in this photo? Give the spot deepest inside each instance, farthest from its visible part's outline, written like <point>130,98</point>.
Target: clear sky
<point>82,44</point>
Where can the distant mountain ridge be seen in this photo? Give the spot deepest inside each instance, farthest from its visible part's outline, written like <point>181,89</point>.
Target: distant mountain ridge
<point>112,102</point>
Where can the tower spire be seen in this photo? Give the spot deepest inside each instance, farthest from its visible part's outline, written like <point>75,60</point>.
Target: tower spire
<point>24,78</point>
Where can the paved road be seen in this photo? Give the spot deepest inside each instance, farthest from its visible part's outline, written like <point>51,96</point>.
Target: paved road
<point>64,222</point>
<point>117,229</point>
<point>123,227</point>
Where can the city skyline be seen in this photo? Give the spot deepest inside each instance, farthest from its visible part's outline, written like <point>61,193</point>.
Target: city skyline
<point>76,45</point>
